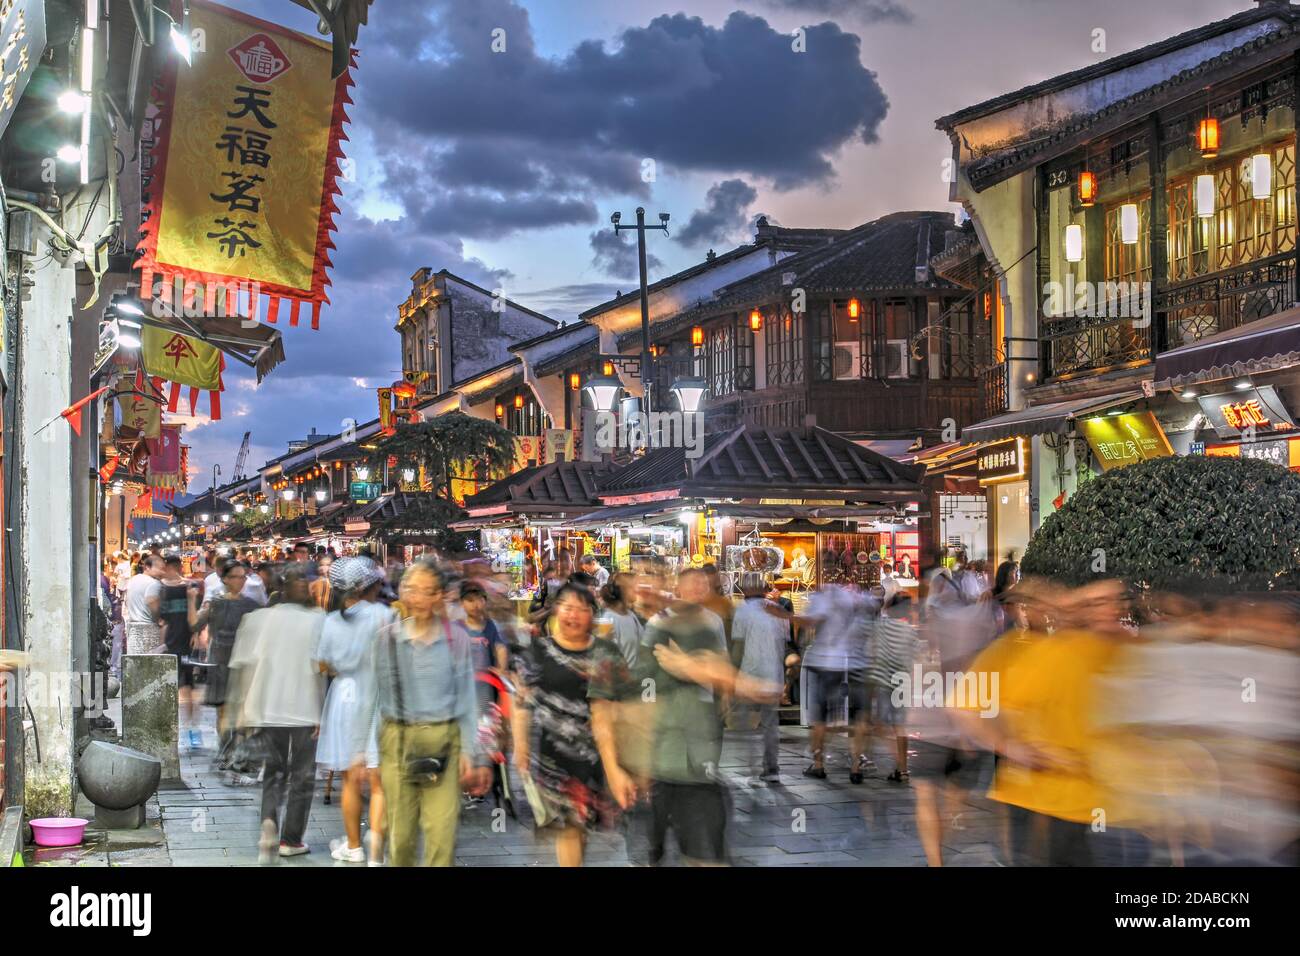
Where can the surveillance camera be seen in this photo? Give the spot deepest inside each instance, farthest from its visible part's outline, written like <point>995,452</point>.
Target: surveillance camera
<point>615,218</point>
<point>663,217</point>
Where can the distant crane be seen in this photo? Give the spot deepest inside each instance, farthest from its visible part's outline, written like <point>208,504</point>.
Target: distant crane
<point>241,458</point>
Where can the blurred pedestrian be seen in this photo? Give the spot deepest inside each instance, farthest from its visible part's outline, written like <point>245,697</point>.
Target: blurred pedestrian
<point>761,639</point>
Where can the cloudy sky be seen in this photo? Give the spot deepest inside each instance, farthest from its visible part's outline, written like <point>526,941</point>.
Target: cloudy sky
<point>503,165</point>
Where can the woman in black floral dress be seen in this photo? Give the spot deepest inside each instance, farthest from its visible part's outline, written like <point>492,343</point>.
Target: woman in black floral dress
<point>553,742</point>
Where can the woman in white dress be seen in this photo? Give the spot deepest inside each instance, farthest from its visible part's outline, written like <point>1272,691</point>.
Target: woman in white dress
<point>350,630</point>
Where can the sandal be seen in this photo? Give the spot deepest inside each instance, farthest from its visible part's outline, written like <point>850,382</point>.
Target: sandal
<point>899,776</point>
<point>818,773</point>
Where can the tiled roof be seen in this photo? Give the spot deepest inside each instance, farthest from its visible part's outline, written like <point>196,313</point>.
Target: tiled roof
<point>754,462</point>
<point>1120,62</point>
<point>1041,145</point>
<point>563,485</point>
<point>881,255</point>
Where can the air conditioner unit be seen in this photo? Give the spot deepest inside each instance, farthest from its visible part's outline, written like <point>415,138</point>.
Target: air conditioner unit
<point>847,355</point>
<point>898,363</point>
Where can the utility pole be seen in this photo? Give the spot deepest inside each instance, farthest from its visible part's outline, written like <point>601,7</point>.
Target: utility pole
<point>647,369</point>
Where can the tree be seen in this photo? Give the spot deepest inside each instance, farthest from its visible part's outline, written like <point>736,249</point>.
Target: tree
<point>446,442</point>
<point>1178,523</point>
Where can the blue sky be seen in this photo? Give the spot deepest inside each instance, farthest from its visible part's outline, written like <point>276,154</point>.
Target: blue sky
<point>504,167</point>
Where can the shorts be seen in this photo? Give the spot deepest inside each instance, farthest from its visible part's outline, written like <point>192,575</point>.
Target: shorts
<point>883,709</point>
<point>696,813</point>
<point>940,764</point>
<point>827,691</point>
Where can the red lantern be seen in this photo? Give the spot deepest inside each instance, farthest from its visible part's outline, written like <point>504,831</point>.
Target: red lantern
<point>1087,189</point>
<point>519,401</point>
<point>574,381</point>
<point>607,369</point>
<point>1207,137</point>
<point>755,321</point>
<point>500,410</point>
<point>855,309</point>
<point>697,336</point>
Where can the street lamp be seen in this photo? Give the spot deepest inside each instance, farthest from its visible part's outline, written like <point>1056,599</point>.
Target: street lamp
<point>689,393</point>
<point>203,518</point>
<point>287,494</point>
<point>321,494</point>
<point>641,227</point>
<point>264,508</point>
<point>603,391</point>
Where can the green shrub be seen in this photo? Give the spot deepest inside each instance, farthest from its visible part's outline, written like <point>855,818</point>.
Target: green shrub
<point>1180,523</point>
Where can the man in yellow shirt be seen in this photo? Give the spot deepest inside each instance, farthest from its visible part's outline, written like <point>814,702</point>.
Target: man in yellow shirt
<point>1044,732</point>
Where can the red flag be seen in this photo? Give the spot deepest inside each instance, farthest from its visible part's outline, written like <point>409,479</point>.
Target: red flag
<point>73,412</point>
<point>110,466</point>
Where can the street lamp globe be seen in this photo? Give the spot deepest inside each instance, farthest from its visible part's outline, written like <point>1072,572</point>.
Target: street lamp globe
<point>689,393</point>
<point>603,392</point>
<point>321,494</point>
<point>264,508</point>
<point>287,494</point>
<point>203,518</point>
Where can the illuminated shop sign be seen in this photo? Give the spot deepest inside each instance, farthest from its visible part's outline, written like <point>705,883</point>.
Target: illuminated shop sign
<point>1001,461</point>
<point>1250,411</point>
<point>1119,440</point>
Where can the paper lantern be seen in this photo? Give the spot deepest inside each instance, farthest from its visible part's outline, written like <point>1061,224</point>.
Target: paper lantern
<point>1074,243</point>
<point>1261,176</point>
<point>1205,195</point>
<point>1207,137</point>
<point>1128,223</point>
<point>1087,189</point>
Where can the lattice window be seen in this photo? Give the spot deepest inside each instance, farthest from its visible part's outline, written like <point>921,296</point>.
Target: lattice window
<point>784,349</point>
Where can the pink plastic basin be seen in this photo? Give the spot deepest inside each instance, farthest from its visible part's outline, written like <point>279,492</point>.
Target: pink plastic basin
<point>58,831</point>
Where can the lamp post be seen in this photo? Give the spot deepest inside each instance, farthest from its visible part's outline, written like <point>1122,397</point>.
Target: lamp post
<point>647,370</point>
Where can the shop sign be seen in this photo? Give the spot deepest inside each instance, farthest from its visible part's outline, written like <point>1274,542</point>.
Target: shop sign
<point>1251,411</point>
<point>22,44</point>
<point>364,491</point>
<point>356,527</point>
<point>1119,440</point>
<point>559,444</point>
<point>247,164</point>
<point>528,451</point>
<point>1277,452</point>
<point>1001,461</point>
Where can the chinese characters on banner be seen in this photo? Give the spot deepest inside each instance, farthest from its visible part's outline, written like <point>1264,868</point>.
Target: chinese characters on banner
<point>528,451</point>
<point>560,443</point>
<point>386,425</point>
<point>245,166</point>
<point>182,360</point>
<point>140,413</point>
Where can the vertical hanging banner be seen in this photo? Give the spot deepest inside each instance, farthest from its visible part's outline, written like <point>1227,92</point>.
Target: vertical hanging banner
<point>386,425</point>
<point>140,413</point>
<point>245,166</point>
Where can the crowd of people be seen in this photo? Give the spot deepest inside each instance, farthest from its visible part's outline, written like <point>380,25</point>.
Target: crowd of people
<point>1106,726</point>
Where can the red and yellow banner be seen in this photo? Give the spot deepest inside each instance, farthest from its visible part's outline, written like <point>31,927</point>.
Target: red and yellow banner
<point>386,425</point>
<point>245,164</point>
<point>183,360</point>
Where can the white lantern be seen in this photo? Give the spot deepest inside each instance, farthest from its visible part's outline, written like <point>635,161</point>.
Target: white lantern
<point>1074,243</point>
<point>408,475</point>
<point>239,509</point>
<point>362,473</point>
<point>287,494</point>
<point>321,494</point>
<point>1128,223</point>
<point>1261,176</point>
<point>264,508</point>
<point>1205,196</point>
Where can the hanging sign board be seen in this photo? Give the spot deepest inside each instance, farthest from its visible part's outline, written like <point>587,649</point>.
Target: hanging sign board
<point>1119,440</point>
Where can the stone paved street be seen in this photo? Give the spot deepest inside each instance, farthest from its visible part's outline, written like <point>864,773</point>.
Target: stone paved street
<point>211,823</point>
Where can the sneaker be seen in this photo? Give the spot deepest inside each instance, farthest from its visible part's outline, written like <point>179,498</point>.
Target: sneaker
<point>772,777</point>
<point>293,849</point>
<point>340,851</point>
<point>266,845</point>
<point>900,776</point>
<point>866,763</point>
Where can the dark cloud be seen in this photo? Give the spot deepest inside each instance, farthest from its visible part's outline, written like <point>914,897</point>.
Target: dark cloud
<point>724,214</point>
<point>616,255</point>
<point>867,11</point>
<point>678,90</point>
<point>566,302</point>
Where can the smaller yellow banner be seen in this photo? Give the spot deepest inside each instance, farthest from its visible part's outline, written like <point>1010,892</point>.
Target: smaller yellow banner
<point>141,414</point>
<point>1119,440</point>
<point>179,358</point>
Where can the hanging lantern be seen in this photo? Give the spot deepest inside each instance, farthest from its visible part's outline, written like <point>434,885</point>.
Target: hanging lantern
<point>607,369</point>
<point>574,381</point>
<point>855,309</point>
<point>519,400</point>
<point>500,410</point>
<point>697,335</point>
<point>1128,223</point>
<point>1205,195</point>
<point>1207,137</point>
<point>1074,243</point>
<point>755,321</point>
<point>1261,176</point>
<point>1087,189</point>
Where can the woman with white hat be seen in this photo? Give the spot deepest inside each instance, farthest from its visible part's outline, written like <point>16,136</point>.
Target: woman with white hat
<point>345,651</point>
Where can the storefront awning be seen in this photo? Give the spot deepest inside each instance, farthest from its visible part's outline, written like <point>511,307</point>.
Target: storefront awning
<point>1054,418</point>
<point>1266,345</point>
<point>805,512</point>
<point>653,512</point>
